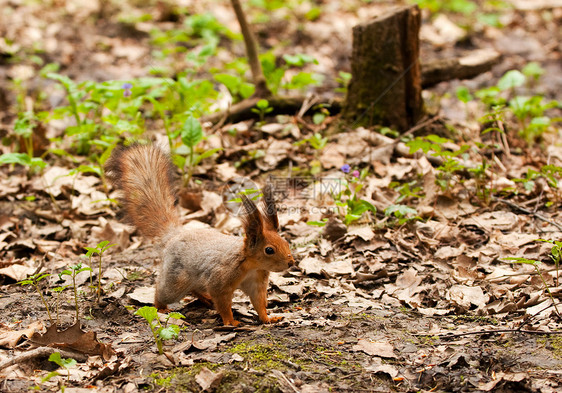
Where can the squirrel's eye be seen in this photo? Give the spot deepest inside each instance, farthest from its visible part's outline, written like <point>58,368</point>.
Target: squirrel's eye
<point>269,251</point>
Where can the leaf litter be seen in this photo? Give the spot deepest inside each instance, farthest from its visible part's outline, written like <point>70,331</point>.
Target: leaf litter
<point>367,302</point>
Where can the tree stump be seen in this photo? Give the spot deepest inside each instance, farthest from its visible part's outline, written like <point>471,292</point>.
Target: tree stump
<point>385,86</point>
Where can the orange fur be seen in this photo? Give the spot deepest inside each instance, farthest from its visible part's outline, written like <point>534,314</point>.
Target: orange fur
<point>145,174</point>
<point>203,262</point>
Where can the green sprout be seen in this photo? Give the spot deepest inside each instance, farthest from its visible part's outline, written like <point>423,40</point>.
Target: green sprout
<point>160,331</point>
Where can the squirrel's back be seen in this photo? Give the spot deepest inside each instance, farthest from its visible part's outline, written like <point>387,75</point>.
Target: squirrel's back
<point>145,175</point>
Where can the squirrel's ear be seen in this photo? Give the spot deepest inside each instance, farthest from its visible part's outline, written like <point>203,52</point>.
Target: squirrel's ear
<point>270,208</point>
<point>253,224</point>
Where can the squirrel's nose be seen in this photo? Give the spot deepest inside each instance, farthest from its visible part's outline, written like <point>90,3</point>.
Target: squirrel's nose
<point>291,260</point>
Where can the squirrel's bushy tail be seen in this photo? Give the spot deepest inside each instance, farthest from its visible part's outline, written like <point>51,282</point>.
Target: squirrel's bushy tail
<point>145,175</point>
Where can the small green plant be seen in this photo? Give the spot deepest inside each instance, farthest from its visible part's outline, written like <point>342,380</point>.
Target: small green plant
<point>63,363</point>
<point>407,191</point>
<point>238,88</point>
<point>24,126</point>
<point>343,80</point>
<point>551,173</point>
<point>262,108</point>
<point>434,145</point>
<point>187,157</point>
<point>35,164</point>
<point>318,143</point>
<point>529,110</point>
<point>536,265</point>
<point>320,115</point>
<point>465,7</point>
<point>160,332</point>
<point>482,180</point>
<point>99,249</point>
<point>58,290</point>
<point>533,71</point>
<point>275,74</point>
<point>34,281</point>
<point>555,255</point>
<point>401,213</point>
<point>465,97</point>
<point>349,199</point>
<point>73,271</point>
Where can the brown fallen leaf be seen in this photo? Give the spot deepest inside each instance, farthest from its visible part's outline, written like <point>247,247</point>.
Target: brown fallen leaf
<point>73,338</point>
<point>11,338</point>
<point>381,349</point>
<point>208,380</point>
<point>17,272</point>
<point>334,229</point>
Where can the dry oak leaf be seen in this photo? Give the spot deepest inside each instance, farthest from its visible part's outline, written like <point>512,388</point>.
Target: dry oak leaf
<point>465,296</point>
<point>373,348</point>
<point>208,380</point>
<point>143,295</point>
<point>11,338</point>
<point>73,338</point>
<point>17,272</point>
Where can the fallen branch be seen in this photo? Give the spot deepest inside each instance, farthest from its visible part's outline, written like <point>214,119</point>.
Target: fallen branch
<point>498,331</point>
<point>40,353</point>
<point>281,105</point>
<point>524,210</point>
<point>466,67</point>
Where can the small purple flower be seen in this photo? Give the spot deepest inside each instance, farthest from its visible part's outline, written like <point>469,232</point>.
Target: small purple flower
<point>346,168</point>
<point>127,89</point>
<point>355,173</point>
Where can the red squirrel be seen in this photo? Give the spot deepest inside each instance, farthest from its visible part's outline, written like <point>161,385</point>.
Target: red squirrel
<point>202,262</point>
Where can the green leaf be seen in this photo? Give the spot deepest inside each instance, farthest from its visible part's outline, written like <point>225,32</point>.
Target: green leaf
<point>147,312</point>
<point>541,121</point>
<point>262,104</point>
<point>247,89</point>
<point>299,60</point>
<point>349,218</point>
<point>169,332</point>
<point>205,154</point>
<point>15,158</point>
<point>23,126</point>
<point>317,223</point>
<point>399,211</point>
<point>84,269</point>
<point>91,251</point>
<point>318,118</point>
<point>303,80</point>
<point>464,95</point>
<point>49,376</point>
<point>522,260</point>
<point>56,358</point>
<point>39,278</point>
<point>192,132</point>
<point>533,70</point>
<point>511,79</point>
<point>231,82</point>
<point>176,315</point>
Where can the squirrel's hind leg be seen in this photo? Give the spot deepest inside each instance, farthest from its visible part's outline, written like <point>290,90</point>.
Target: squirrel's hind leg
<point>205,299</point>
<point>223,304</point>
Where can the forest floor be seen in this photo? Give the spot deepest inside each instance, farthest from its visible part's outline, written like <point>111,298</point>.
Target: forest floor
<point>395,301</point>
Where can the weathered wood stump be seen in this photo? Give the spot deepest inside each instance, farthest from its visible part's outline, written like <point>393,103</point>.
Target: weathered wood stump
<point>385,86</point>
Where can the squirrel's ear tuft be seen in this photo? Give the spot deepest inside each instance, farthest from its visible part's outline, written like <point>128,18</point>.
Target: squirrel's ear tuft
<point>253,224</point>
<point>269,206</point>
